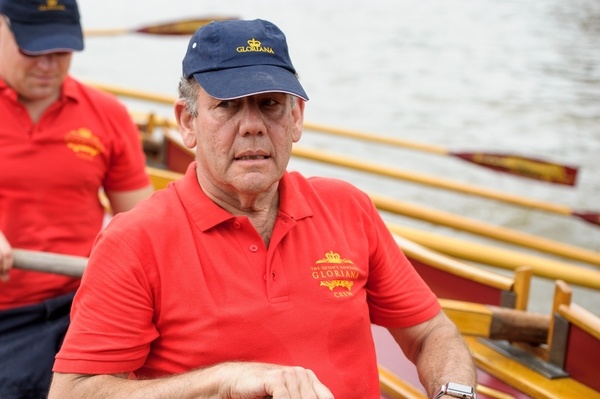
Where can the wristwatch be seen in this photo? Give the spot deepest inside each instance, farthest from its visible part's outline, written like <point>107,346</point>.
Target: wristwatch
<point>457,391</point>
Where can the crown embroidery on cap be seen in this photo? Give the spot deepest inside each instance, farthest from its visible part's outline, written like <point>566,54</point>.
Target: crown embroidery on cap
<point>254,46</point>
<point>51,5</point>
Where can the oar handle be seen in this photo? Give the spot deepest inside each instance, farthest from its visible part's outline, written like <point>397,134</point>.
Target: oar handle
<point>496,322</point>
<point>68,265</point>
<point>518,325</point>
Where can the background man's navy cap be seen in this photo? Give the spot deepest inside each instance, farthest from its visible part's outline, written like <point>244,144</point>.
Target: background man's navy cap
<point>237,58</point>
<point>44,26</point>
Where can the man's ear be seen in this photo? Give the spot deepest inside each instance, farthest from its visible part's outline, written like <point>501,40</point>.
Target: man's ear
<point>298,117</point>
<point>185,121</point>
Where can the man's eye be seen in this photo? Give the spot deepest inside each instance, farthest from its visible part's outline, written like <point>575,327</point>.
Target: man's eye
<point>268,102</point>
<point>224,104</point>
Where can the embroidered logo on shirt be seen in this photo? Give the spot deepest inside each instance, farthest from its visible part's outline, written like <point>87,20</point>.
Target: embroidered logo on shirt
<point>336,274</point>
<point>83,143</point>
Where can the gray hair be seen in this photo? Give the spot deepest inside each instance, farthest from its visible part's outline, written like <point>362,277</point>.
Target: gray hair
<point>188,91</point>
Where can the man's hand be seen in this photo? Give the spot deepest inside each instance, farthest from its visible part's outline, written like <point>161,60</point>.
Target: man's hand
<point>260,380</point>
<point>6,258</point>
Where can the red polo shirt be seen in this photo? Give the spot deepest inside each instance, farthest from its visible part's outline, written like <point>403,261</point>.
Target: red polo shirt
<point>179,283</point>
<point>50,175</point>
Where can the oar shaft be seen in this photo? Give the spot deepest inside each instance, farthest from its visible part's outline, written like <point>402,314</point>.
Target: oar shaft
<point>485,229</point>
<point>141,95</point>
<point>504,258</point>
<point>527,167</point>
<point>49,262</point>
<point>105,32</point>
<point>371,167</point>
<point>372,137</point>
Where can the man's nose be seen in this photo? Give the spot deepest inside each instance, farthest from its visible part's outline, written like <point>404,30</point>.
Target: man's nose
<point>47,61</point>
<point>251,119</point>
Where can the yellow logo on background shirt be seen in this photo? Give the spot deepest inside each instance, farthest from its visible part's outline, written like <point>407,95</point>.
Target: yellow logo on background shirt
<point>51,5</point>
<point>83,143</point>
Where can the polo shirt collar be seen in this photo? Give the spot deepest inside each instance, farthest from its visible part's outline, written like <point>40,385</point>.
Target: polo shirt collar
<point>69,89</point>
<point>292,199</point>
<point>7,91</point>
<point>206,214</point>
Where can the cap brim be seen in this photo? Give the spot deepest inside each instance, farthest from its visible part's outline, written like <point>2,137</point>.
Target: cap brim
<point>35,39</point>
<point>228,84</point>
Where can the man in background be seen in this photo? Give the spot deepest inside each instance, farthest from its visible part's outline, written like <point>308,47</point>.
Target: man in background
<point>61,143</point>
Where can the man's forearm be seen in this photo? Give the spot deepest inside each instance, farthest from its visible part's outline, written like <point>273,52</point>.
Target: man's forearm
<point>224,380</point>
<point>196,384</point>
<point>445,358</point>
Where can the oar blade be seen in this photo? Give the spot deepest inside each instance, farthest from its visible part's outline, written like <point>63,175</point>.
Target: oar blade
<point>182,27</point>
<point>590,217</point>
<point>521,166</point>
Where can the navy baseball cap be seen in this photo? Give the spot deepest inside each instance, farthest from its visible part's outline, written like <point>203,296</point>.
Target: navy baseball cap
<point>238,58</point>
<point>44,26</point>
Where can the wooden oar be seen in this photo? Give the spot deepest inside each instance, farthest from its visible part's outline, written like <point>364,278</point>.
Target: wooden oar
<point>532,168</point>
<point>322,156</point>
<point>484,229</point>
<point>501,257</point>
<point>587,216</point>
<point>67,265</point>
<point>496,322</point>
<point>180,27</point>
<point>396,388</point>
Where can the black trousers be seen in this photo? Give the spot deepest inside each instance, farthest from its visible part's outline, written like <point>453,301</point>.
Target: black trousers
<point>30,337</point>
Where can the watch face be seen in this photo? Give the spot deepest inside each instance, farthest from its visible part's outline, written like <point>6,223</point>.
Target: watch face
<point>460,391</point>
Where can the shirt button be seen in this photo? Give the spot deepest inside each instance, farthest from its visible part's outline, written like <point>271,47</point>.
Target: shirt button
<point>253,248</point>
<point>237,225</point>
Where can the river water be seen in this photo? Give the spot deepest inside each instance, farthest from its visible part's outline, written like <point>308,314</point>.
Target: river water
<point>511,76</point>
